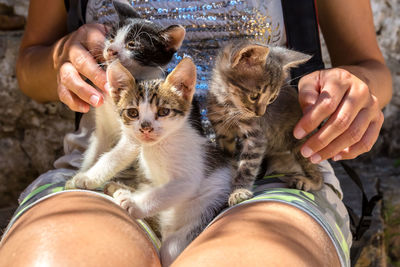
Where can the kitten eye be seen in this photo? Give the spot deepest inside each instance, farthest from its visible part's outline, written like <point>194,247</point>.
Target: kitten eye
<point>132,113</point>
<point>162,112</point>
<point>254,96</point>
<point>131,45</point>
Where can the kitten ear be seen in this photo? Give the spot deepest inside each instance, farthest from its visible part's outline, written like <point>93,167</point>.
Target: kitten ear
<point>124,11</point>
<point>182,80</point>
<point>120,80</point>
<point>290,58</point>
<point>174,36</point>
<point>250,55</point>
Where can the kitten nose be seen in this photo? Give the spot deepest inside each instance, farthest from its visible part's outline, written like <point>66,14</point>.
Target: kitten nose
<point>111,53</point>
<point>145,127</point>
<point>260,110</point>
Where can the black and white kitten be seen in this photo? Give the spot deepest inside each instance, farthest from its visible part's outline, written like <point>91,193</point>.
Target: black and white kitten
<point>190,181</point>
<point>144,48</point>
<point>248,102</point>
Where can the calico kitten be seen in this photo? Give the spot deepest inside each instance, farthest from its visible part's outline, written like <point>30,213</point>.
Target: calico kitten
<point>249,102</point>
<point>144,48</point>
<point>190,180</point>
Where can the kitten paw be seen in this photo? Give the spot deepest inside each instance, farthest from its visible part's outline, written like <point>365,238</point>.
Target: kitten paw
<point>304,183</point>
<point>70,185</point>
<point>125,199</point>
<point>82,181</point>
<point>239,195</point>
<point>111,187</point>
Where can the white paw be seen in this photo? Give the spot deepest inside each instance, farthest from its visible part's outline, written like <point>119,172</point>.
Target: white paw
<point>239,195</point>
<point>81,180</point>
<point>126,199</point>
<point>111,187</point>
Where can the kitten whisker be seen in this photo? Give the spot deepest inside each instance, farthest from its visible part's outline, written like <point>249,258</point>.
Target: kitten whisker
<point>292,79</point>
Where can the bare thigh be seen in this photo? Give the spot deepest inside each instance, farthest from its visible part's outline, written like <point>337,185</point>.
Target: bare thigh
<point>77,229</point>
<point>261,234</point>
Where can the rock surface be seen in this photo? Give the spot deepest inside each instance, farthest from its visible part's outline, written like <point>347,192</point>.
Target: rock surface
<point>30,133</point>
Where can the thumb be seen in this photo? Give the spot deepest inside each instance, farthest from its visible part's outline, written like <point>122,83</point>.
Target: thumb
<point>309,90</point>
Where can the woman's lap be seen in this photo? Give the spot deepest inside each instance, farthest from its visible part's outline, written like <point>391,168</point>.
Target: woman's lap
<point>325,207</point>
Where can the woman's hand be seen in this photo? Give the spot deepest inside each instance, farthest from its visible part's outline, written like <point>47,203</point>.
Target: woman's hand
<point>352,113</point>
<point>74,60</point>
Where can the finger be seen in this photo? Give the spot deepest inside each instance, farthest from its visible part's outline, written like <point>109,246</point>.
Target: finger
<point>349,137</point>
<point>337,124</point>
<point>71,79</point>
<point>86,65</point>
<point>366,142</point>
<point>94,40</point>
<point>309,87</point>
<point>71,100</point>
<point>328,100</point>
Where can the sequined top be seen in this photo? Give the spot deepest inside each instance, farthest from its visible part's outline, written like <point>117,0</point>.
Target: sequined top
<point>208,23</point>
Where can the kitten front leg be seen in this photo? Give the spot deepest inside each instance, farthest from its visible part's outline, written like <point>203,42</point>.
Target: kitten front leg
<point>107,166</point>
<point>148,202</point>
<point>313,179</point>
<point>251,156</point>
<point>227,142</point>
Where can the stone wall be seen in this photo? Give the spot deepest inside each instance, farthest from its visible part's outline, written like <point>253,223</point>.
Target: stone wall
<point>387,26</point>
<point>30,133</point>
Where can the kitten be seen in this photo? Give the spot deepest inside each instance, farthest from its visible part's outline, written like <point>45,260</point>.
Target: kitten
<point>190,179</point>
<point>249,102</point>
<point>144,48</point>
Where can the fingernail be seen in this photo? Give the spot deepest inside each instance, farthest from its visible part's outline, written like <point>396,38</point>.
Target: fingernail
<point>337,157</point>
<point>299,133</point>
<point>306,151</point>
<point>94,100</point>
<point>315,158</point>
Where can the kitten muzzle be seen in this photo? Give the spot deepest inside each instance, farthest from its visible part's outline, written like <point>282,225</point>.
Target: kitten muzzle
<point>146,130</point>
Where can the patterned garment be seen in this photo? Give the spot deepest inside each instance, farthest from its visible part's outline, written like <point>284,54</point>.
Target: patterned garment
<point>209,25</point>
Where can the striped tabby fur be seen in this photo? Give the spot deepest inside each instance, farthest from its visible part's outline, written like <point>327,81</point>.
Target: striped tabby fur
<point>248,102</point>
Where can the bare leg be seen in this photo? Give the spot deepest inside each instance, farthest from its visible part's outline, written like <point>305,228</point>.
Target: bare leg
<point>76,229</point>
<point>261,234</point>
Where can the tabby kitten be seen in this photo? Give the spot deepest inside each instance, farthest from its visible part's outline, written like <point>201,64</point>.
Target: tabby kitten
<point>249,102</point>
<point>190,180</point>
<point>144,48</point>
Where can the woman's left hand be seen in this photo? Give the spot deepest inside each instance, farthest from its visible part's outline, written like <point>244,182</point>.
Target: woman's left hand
<point>352,113</point>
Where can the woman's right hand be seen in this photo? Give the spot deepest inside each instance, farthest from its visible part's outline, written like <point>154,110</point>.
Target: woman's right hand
<point>75,58</point>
